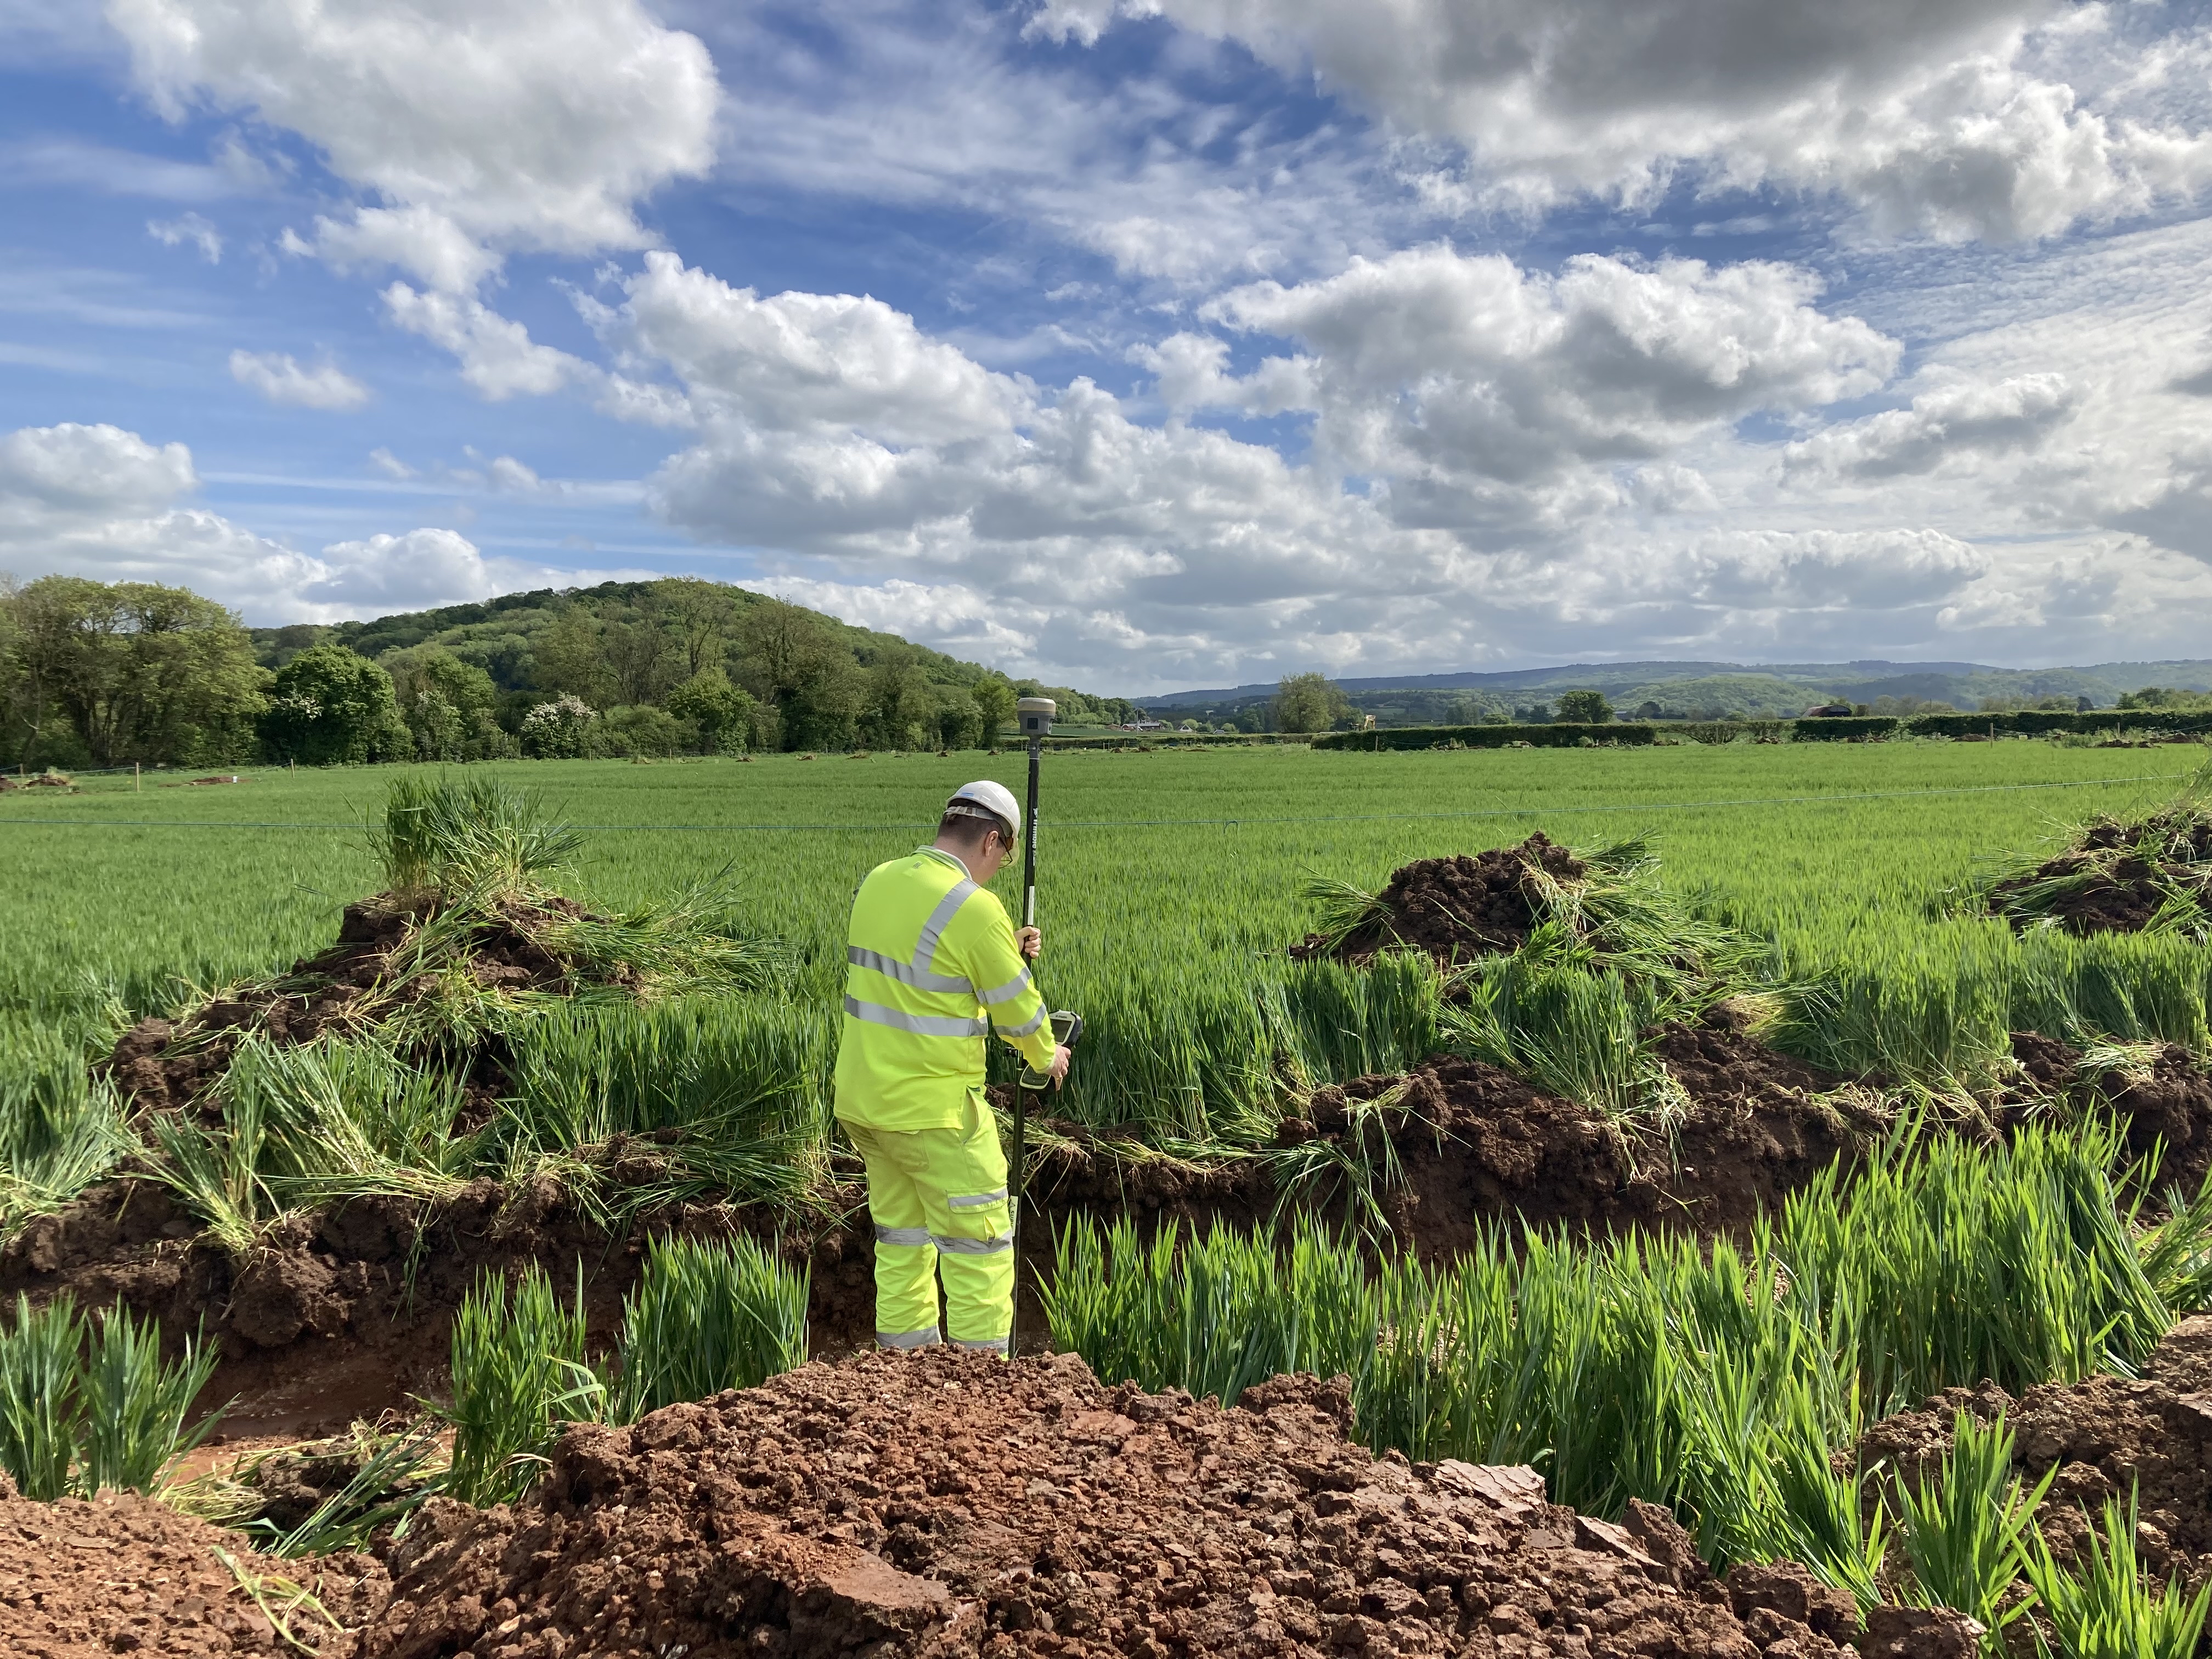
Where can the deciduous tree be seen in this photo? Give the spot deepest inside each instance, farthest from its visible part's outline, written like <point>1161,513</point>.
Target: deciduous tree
<point>450,706</point>
<point>722,712</point>
<point>993,697</point>
<point>1583,708</point>
<point>1308,702</point>
<point>137,671</point>
<point>331,708</point>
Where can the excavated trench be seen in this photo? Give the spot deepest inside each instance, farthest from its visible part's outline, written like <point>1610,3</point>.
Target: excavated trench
<point>345,1311</point>
<point>950,1505</point>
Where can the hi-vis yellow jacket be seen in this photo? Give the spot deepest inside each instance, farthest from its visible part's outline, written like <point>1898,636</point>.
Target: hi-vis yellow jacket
<point>933,968</point>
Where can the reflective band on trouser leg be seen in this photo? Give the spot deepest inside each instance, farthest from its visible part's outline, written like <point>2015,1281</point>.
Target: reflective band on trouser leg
<point>906,1259</point>
<point>996,1345</point>
<point>964,1187</point>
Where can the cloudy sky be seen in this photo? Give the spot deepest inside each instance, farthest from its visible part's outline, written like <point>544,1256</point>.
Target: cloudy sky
<point>1141,343</point>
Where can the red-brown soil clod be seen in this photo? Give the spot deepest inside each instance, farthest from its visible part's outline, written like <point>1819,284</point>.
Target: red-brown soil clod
<point>2104,1435</point>
<point>950,1505</point>
<point>121,1574</point>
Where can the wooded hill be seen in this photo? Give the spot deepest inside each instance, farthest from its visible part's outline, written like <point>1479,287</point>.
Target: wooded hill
<point>104,674</point>
<point>621,645</point>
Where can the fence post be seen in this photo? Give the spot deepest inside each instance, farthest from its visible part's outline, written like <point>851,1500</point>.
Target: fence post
<point>136,787</point>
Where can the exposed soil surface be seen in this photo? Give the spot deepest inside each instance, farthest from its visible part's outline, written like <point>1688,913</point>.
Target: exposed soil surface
<point>347,1311</point>
<point>2103,1436</point>
<point>344,1313</point>
<point>160,1065</point>
<point>2165,1105</point>
<point>121,1574</point>
<point>1456,908</point>
<point>2113,887</point>
<point>1479,1145</point>
<point>946,1503</point>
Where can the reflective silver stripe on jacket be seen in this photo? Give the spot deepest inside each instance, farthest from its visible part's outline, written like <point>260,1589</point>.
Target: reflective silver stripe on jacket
<point>1006,993</point>
<point>1024,1029</point>
<point>976,1201</point>
<point>908,1340</point>
<point>913,1238</point>
<point>906,973</point>
<point>973,1246</point>
<point>924,948</point>
<point>943,1026</point>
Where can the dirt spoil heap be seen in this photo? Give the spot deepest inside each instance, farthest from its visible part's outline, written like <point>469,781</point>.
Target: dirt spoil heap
<point>1477,1145</point>
<point>949,1503</point>
<point>2118,876</point>
<point>373,970</point>
<point>1466,906</point>
<point>121,1574</point>
<point>345,1311</point>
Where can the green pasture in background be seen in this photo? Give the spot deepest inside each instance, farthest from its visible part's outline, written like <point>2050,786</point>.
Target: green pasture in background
<point>1145,858</point>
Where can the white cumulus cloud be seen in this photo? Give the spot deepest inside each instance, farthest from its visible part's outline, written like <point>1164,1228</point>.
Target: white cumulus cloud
<point>383,573</point>
<point>1471,384</point>
<point>497,356</point>
<point>1954,421</point>
<point>100,501</point>
<point>1948,118</point>
<point>522,123</point>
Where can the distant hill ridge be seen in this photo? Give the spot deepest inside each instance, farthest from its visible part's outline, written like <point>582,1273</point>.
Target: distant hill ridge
<point>1703,690</point>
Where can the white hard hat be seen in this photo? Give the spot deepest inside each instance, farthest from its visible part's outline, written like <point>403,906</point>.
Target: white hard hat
<point>995,799</point>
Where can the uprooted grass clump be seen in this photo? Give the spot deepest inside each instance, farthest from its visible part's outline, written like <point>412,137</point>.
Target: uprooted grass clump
<point>467,941</point>
<point>472,1022</point>
<point>2146,874</point>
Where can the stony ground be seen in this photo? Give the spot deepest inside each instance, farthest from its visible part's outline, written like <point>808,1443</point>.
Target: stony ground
<point>951,1505</point>
<point>2105,1436</point>
<point>122,1574</point>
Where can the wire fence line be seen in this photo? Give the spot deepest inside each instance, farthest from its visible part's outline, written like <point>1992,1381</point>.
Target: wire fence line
<point>1043,819</point>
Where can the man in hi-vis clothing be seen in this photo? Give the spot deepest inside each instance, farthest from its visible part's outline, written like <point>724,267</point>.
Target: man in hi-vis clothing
<point>935,967</point>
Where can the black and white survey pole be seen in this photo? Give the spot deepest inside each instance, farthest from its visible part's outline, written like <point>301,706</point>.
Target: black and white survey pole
<point>1035,714</point>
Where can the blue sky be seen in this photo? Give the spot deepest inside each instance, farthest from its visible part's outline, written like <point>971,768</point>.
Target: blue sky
<point>1136,342</point>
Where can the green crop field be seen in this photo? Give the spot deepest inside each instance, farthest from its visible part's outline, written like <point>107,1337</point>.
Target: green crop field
<point>1799,839</point>
<point>1830,894</point>
<point>1164,876</point>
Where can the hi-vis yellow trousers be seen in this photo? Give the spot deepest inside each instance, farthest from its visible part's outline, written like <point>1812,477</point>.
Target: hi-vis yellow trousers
<point>939,1200</point>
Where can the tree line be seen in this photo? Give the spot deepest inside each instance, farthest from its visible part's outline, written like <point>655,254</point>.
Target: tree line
<point>107,674</point>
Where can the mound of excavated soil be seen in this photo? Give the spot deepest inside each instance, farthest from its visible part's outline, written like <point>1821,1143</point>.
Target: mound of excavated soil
<point>2168,1108</point>
<point>2103,1436</point>
<point>158,1064</point>
<point>1455,908</point>
<point>122,1574</point>
<point>1479,1145</point>
<point>950,1505</point>
<point>2123,891</point>
<point>344,1312</point>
